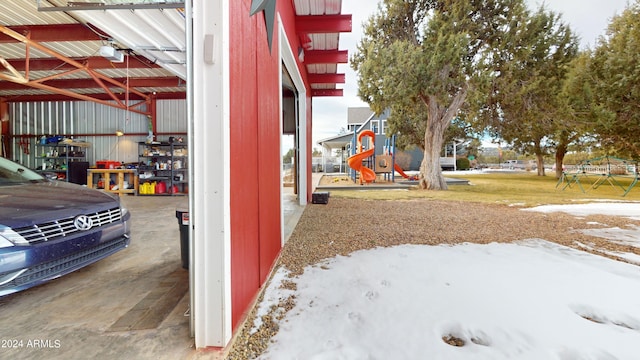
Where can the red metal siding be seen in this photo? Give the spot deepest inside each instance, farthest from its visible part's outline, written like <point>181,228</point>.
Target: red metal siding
<point>255,155</point>
<point>244,217</point>
<point>269,184</point>
<point>255,149</point>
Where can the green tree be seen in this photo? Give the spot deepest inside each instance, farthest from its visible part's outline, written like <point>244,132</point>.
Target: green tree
<point>615,69</point>
<point>532,112</point>
<point>577,109</point>
<point>286,158</point>
<point>424,58</point>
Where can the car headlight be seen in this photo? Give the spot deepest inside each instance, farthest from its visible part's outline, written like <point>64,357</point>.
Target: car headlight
<point>124,211</point>
<point>5,243</point>
<point>8,237</point>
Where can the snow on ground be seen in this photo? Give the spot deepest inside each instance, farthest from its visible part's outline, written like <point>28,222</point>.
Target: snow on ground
<point>626,209</point>
<point>527,300</point>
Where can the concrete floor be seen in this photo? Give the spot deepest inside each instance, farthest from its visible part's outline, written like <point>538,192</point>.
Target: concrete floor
<point>131,305</point>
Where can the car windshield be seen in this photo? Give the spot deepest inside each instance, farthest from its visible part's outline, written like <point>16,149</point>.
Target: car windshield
<point>13,173</point>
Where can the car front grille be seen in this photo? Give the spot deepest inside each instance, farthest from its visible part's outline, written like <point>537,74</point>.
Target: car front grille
<point>68,263</point>
<point>60,228</point>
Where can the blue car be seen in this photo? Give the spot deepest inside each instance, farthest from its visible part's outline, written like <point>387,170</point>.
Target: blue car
<point>51,228</point>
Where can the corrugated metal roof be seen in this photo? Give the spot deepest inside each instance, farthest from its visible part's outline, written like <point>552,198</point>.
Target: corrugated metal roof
<point>21,13</point>
<point>25,12</point>
<point>157,34</point>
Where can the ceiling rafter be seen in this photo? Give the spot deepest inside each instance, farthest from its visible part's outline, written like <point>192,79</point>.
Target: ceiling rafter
<point>59,32</point>
<point>73,6</point>
<point>318,24</point>
<point>328,78</point>
<point>149,82</point>
<point>62,97</point>
<point>326,92</point>
<point>326,57</point>
<point>93,62</point>
<point>100,79</point>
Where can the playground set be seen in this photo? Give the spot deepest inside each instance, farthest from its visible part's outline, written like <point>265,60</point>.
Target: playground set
<point>619,173</point>
<point>367,165</point>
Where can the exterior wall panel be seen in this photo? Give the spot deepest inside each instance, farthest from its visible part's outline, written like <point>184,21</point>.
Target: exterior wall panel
<point>255,149</point>
<point>244,171</point>
<point>269,137</point>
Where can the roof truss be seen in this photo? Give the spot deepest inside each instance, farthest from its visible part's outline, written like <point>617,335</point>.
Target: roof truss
<point>105,83</point>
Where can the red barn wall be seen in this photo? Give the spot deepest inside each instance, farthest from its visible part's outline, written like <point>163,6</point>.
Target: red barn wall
<point>255,149</point>
<point>243,132</point>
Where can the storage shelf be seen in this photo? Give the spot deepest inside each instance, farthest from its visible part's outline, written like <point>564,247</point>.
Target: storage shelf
<point>154,178</point>
<point>158,159</point>
<point>67,155</point>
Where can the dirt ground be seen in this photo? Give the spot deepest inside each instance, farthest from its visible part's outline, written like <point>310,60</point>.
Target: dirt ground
<point>347,225</point>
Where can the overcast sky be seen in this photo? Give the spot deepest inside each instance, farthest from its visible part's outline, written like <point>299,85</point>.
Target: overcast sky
<point>588,18</point>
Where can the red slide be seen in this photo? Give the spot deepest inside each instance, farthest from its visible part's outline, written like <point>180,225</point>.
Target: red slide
<point>355,161</point>
<point>400,171</point>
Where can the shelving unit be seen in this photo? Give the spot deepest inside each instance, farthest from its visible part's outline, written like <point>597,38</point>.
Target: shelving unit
<point>63,160</point>
<point>162,168</point>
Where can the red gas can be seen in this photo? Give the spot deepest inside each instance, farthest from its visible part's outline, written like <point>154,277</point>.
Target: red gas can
<point>161,187</point>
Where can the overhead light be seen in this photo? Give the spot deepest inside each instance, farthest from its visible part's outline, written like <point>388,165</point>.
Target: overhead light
<point>111,53</point>
<point>119,133</point>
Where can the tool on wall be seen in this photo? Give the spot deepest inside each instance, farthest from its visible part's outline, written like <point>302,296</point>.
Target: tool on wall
<point>24,145</point>
<point>4,131</point>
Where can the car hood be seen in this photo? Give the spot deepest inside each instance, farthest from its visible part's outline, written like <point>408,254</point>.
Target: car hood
<point>26,204</point>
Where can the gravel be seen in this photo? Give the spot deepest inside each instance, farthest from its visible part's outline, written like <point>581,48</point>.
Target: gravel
<point>347,225</point>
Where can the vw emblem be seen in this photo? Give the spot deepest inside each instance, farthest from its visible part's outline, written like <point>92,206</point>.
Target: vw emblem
<point>82,222</point>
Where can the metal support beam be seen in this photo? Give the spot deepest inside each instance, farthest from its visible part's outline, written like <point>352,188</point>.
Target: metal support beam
<point>326,92</point>
<point>99,78</point>
<point>76,6</point>
<point>326,57</point>
<point>326,78</point>
<point>94,62</point>
<point>322,24</point>
<point>121,97</point>
<point>59,32</point>
<point>152,82</point>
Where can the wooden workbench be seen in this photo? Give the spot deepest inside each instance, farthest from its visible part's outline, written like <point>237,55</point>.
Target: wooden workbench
<point>118,176</point>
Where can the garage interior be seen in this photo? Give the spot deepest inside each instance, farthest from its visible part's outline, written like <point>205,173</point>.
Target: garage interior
<point>113,74</point>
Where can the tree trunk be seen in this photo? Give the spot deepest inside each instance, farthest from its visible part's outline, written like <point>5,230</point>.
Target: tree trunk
<point>540,164</point>
<point>430,170</point>
<point>537,150</point>
<point>438,120</point>
<point>561,151</point>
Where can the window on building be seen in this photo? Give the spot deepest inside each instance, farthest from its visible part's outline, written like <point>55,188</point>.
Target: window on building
<point>375,126</point>
<point>383,128</point>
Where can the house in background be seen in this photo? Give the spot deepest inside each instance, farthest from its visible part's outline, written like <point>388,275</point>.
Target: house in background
<point>338,148</point>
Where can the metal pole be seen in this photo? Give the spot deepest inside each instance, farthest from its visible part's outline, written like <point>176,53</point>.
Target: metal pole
<point>454,156</point>
<point>190,147</point>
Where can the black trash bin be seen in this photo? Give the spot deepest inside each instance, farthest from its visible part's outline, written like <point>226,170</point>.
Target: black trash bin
<point>183,222</point>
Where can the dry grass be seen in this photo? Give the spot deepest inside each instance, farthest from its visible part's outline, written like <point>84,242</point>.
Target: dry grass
<point>481,213</point>
<point>514,188</point>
